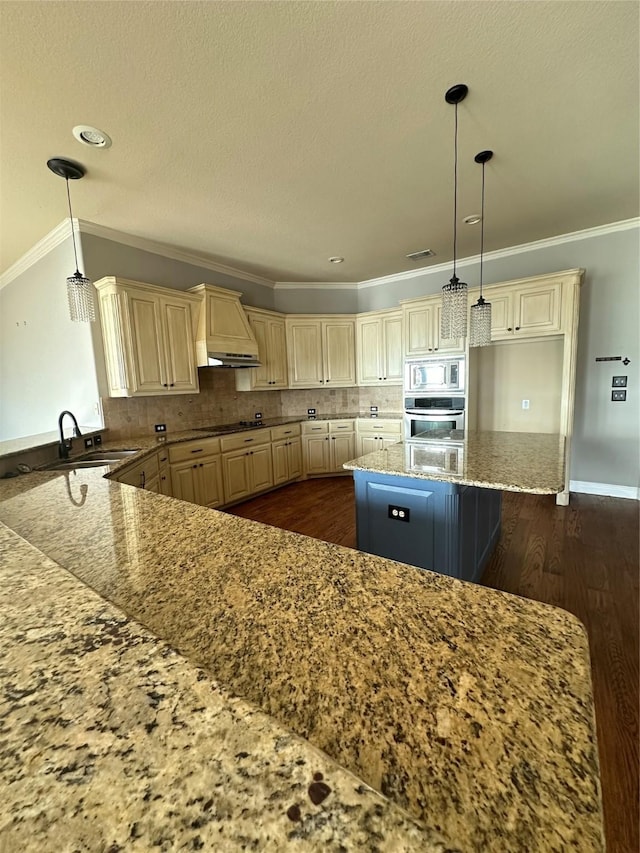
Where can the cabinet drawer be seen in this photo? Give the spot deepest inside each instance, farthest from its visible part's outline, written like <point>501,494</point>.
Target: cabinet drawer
<point>244,439</point>
<point>376,427</point>
<point>193,449</point>
<point>315,427</point>
<point>141,473</point>
<point>285,431</point>
<point>341,426</point>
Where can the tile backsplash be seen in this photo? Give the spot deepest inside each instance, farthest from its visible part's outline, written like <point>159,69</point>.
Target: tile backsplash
<point>219,403</point>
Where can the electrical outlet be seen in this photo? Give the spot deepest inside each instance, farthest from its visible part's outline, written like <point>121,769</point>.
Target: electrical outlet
<point>97,440</point>
<point>311,411</point>
<point>619,382</point>
<point>88,442</point>
<point>373,408</point>
<point>399,513</point>
<point>525,404</point>
<point>618,396</point>
<point>160,427</point>
<point>258,416</point>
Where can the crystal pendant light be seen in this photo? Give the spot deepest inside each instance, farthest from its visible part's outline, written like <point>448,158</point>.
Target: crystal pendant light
<point>79,287</point>
<point>453,317</point>
<point>480,331</point>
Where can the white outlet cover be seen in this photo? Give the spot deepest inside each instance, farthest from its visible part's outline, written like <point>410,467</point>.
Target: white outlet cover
<point>525,404</point>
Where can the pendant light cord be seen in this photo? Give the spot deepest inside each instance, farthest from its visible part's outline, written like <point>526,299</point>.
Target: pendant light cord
<point>73,235</point>
<point>482,231</point>
<point>455,190</point>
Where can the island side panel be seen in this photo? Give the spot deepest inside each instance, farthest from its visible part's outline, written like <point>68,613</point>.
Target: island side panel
<point>438,526</point>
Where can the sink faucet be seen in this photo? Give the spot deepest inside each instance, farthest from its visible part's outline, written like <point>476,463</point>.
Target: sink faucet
<point>65,444</point>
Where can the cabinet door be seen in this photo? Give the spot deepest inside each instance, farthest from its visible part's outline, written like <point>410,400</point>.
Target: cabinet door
<point>261,468</point>
<point>338,337</point>
<point>147,343</point>
<point>501,314</point>
<point>260,375</point>
<point>277,354</point>
<point>294,454</point>
<point>304,350</point>
<point>316,454</point>
<point>367,444</point>
<point>280,454</point>
<point>443,344</point>
<point>369,351</point>
<point>393,353</point>
<point>183,482</point>
<point>418,323</point>
<point>342,450</point>
<point>536,310</point>
<point>210,489</point>
<point>165,483</point>
<point>182,374</point>
<point>236,475</point>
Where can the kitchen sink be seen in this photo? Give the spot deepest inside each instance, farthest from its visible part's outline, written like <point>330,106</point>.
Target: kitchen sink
<point>93,459</point>
<point>106,455</point>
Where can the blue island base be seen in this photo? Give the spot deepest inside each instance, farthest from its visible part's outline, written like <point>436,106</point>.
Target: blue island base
<point>444,527</point>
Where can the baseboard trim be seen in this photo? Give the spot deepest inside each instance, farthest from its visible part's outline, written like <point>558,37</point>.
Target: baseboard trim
<point>607,489</point>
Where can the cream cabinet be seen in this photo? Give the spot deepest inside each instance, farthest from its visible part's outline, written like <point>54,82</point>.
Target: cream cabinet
<point>375,434</point>
<point>321,351</point>
<point>526,311</point>
<point>247,466</point>
<point>421,328</point>
<point>269,330</point>
<point>196,472</point>
<point>143,474</point>
<point>164,472</point>
<point>379,349</point>
<point>149,338</point>
<point>327,445</point>
<point>286,451</point>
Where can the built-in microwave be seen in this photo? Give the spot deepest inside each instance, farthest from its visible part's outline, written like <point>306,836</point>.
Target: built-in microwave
<point>435,375</point>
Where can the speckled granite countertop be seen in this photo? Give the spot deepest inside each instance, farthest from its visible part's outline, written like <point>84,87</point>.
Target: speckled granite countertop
<point>112,741</point>
<point>509,461</point>
<point>470,708</point>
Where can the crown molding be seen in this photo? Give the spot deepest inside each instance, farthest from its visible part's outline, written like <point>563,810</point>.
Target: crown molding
<point>175,254</point>
<point>586,234</point>
<point>312,285</point>
<point>49,242</point>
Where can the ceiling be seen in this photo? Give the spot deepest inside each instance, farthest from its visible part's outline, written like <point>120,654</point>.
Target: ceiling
<point>270,136</point>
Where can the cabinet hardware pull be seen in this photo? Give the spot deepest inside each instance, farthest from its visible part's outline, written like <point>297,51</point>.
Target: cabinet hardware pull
<point>194,466</point>
<point>379,378</point>
<point>163,458</point>
<point>287,432</point>
<point>517,328</point>
<point>199,450</point>
<point>509,329</point>
<point>164,384</point>
<point>248,439</point>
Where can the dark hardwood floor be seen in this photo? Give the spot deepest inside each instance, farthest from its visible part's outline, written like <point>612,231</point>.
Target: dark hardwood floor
<point>583,558</point>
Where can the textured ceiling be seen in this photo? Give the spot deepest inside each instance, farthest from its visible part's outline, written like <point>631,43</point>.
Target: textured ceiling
<point>272,135</point>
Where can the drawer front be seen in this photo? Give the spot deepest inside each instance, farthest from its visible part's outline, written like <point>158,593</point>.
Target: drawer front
<point>285,431</point>
<point>141,473</point>
<point>193,450</point>
<point>247,439</point>
<point>376,427</point>
<point>341,426</point>
<point>315,427</point>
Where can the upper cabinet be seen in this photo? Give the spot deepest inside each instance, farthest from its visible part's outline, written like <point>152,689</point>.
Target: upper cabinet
<point>321,351</point>
<point>269,330</point>
<point>149,335</point>
<point>525,311</point>
<point>421,324</point>
<point>379,351</point>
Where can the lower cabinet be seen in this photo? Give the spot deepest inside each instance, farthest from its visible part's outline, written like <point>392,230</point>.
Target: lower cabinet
<point>196,472</point>
<point>287,460</point>
<point>375,434</point>
<point>143,474</point>
<point>245,472</point>
<point>327,445</point>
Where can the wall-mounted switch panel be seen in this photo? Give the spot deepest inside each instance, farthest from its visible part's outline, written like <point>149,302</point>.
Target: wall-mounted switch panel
<point>619,382</point>
<point>618,396</point>
<point>88,442</point>
<point>160,427</point>
<point>525,404</point>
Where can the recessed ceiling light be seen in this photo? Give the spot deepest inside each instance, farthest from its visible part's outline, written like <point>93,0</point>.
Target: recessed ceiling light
<point>91,136</point>
<point>336,260</point>
<point>473,219</point>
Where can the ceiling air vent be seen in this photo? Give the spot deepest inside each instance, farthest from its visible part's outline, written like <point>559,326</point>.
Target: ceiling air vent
<point>418,256</point>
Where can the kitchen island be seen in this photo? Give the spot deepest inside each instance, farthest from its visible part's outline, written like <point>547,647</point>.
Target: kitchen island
<point>437,504</point>
<point>467,708</point>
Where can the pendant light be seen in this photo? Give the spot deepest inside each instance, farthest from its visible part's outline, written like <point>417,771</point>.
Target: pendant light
<point>453,318</point>
<point>79,287</point>
<point>480,332</point>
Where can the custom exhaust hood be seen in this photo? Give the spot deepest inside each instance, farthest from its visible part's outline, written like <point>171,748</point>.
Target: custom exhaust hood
<point>224,337</point>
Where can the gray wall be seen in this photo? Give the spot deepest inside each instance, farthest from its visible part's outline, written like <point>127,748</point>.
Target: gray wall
<point>606,434</point>
<point>106,257</point>
<point>47,362</point>
<point>317,300</point>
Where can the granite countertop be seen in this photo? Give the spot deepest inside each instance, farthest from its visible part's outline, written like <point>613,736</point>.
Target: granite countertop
<point>469,708</point>
<point>509,461</point>
<point>113,741</point>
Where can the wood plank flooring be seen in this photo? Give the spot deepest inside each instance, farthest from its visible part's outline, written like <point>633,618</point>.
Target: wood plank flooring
<point>583,558</point>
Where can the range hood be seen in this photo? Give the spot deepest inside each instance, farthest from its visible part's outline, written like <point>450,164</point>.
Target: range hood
<point>224,337</point>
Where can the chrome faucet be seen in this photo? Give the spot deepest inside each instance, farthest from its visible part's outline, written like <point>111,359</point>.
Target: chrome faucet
<point>65,444</point>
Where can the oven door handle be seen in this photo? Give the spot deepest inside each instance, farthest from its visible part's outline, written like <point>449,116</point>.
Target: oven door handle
<point>443,412</point>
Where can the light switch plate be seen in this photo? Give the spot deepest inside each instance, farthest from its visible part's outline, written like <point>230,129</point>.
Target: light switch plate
<point>619,396</point>
<point>88,442</point>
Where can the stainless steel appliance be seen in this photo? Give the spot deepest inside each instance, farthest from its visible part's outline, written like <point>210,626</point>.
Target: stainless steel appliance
<point>435,457</point>
<point>435,375</point>
<point>437,418</point>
